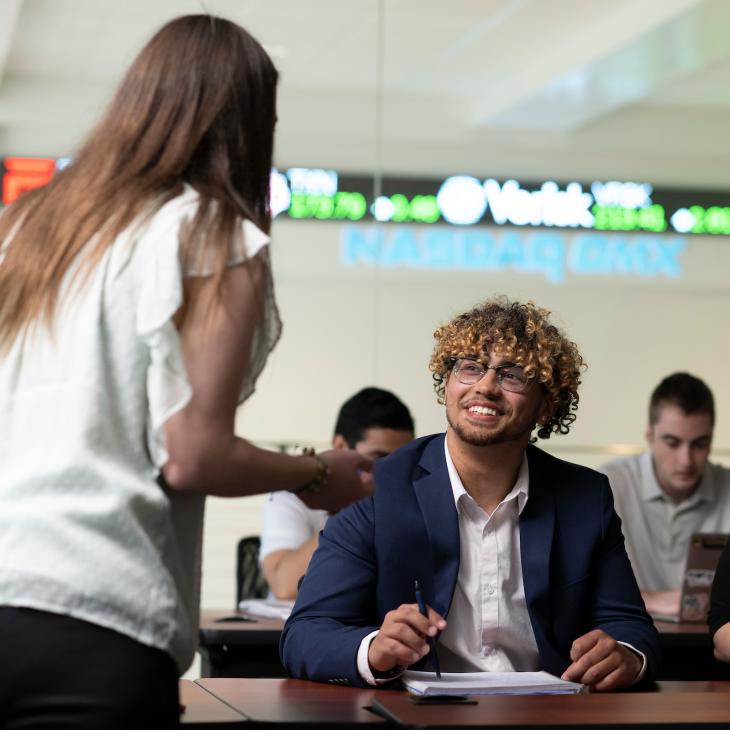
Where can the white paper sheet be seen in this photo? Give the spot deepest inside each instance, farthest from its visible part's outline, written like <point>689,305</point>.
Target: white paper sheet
<point>265,608</point>
<point>487,683</point>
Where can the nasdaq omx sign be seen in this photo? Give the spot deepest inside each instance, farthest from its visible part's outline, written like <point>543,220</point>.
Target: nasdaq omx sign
<point>550,254</point>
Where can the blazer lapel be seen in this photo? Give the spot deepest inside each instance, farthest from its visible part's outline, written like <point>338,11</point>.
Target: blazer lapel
<point>436,501</point>
<point>537,526</point>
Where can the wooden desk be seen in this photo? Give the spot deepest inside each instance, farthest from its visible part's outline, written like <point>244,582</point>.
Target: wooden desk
<point>285,701</point>
<point>683,705</point>
<point>621,711</point>
<point>251,649</point>
<point>239,648</point>
<point>683,635</point>
<point>687,653</point>
<point>204,710</point>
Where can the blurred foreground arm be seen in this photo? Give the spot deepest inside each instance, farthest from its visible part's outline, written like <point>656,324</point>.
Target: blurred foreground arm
<point>204,453</point>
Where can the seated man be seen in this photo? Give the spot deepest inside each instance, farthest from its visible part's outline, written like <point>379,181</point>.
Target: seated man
<point>373,422</point>
<point>522,552</point>
<point>670,491</point>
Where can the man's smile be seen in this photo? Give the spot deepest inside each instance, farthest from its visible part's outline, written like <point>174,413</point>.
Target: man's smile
<point>482,410</point>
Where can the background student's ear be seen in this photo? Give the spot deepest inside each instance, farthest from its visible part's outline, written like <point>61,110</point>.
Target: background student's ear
<point>649,434</point>
<point>338,442</point>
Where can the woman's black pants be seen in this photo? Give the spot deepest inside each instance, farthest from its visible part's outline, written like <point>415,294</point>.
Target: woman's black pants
<point>59,672</point>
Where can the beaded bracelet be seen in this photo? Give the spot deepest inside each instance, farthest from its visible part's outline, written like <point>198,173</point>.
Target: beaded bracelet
<point>320,480</point>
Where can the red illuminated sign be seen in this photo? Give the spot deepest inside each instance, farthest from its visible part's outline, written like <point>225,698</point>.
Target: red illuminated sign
<point>25,173</point>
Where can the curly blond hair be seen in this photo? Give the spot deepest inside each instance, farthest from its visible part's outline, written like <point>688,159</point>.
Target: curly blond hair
<point>523,333</point>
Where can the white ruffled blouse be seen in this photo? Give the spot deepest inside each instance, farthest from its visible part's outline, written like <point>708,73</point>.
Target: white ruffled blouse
<point>85,530</point>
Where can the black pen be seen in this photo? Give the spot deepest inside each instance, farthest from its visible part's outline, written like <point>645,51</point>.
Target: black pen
<point>431,640</point>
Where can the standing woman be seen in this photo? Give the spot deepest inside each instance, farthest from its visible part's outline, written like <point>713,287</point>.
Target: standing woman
<point>136,311</point>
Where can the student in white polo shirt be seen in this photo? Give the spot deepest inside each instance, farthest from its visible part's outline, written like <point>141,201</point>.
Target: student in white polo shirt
<point>373,422</point>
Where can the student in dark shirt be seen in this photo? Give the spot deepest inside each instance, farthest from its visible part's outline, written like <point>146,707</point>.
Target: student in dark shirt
<point>719,617</point>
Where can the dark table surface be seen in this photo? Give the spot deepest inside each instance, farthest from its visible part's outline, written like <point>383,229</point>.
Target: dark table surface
<point>296,702</point>
<point>232,627</point>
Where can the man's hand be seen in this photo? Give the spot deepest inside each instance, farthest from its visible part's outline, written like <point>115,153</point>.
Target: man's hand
<point>662,602</point>
<point>601,662</point>
<point>401,640</point>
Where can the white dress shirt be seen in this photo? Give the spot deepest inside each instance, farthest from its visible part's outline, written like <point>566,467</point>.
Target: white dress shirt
<point>489,628</point>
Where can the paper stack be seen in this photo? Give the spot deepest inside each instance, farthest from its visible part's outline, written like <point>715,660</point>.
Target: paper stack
<point>487,683</point>
<point>265,608</point>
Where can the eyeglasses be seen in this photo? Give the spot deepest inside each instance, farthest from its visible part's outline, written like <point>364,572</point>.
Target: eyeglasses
<point>509,376</point>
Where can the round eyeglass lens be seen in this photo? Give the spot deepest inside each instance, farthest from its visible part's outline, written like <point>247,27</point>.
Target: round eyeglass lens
<point>469,372</point>
<point>512,378</point>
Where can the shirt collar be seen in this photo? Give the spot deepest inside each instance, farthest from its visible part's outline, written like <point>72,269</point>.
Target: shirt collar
<point>520,490</point>
<point>650,489</point>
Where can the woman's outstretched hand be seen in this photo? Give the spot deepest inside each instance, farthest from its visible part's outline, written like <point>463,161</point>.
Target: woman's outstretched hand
<point>349,479</point>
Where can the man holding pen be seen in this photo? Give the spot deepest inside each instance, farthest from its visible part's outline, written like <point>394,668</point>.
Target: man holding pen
<point>518,555</point>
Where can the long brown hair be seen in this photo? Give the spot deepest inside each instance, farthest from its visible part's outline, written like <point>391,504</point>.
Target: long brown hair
<point>197,106</point>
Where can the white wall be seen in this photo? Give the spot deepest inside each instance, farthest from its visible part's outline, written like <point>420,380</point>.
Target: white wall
<point>345,328</point>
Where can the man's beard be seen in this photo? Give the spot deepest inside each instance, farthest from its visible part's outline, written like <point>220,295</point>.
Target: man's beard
<point>476,436</point>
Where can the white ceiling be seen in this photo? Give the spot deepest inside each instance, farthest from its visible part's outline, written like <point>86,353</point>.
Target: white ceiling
<point>587,89</point>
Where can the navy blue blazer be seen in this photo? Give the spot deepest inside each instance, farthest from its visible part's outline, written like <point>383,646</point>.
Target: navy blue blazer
<point>576,573</point>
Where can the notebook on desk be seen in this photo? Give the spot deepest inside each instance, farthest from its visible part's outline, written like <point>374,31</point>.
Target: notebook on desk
<point>425,684</point>
<point>266,608</point>
<point>703,555</point>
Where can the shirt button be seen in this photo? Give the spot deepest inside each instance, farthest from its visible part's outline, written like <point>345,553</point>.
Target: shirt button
<point>490,589</point>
